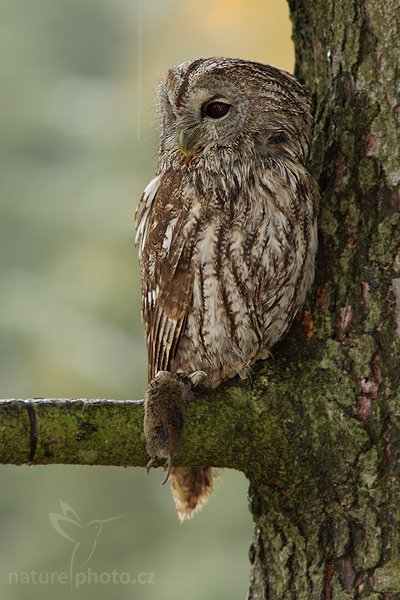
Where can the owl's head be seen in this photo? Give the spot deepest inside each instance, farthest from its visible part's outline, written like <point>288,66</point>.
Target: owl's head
<point>214,103</point>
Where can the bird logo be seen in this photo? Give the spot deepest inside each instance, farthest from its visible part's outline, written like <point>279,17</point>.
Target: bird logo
<point>83,535</point>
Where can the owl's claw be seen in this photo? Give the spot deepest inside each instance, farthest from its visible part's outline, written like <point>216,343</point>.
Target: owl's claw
<point>246,373</point>
<point>161,374</point>
<point>197,377</point>
<point>250,376</point>
<point>192,379</point>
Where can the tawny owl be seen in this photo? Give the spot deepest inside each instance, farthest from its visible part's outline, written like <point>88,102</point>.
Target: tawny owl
<point>227,237</point>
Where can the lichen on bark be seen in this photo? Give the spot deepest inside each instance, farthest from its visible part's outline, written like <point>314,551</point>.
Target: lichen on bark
<point>334,533</point>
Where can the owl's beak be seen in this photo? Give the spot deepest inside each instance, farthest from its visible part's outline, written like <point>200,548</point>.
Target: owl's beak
<point>188,140</point>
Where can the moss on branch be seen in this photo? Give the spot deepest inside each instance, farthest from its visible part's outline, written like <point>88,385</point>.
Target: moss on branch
<point>281,432</point>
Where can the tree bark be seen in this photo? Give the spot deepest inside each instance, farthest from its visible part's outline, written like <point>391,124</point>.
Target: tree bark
<point>327,526</point>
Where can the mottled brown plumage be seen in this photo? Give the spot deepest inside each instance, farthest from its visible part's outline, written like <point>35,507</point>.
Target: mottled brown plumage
<point>227,228</point>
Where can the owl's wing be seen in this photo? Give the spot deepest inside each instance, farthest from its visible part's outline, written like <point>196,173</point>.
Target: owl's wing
<point>165,251</point>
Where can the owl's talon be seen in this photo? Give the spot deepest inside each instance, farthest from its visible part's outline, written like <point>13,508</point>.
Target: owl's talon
<point>197,377</point>
<point>161,374</point>
<point>192,380</point>
<point>168,468</point>
<point>263,354</point>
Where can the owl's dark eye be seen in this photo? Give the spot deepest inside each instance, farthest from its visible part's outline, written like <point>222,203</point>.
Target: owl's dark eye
<point>216,110</point>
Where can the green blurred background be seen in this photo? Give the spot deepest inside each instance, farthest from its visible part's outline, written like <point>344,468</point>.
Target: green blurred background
<point>78,143</point>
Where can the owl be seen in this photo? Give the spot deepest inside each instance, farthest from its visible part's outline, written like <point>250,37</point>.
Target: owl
<point>227,236</point>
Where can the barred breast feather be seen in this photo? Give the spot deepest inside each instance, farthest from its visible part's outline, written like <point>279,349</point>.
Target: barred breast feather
<point>223,282</point>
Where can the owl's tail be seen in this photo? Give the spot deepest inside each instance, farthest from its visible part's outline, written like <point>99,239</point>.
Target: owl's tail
<point>191,487</point>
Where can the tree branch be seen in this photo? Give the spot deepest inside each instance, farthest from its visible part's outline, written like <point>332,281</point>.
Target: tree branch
<point>110,432</point>
<point>76,431</point>
<point>281,431</point>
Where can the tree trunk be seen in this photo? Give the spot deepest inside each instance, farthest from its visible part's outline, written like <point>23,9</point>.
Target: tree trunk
<point>327,522</point>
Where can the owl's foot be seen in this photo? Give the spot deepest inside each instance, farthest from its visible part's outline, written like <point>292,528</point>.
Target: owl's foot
<point>247,373</point>
<point>191,380</point>
<point>263,354</point>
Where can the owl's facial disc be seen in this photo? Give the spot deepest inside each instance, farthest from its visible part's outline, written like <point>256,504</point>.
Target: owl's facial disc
<point>190,136</point>
<point>205,122</point>
<point>211,113</point>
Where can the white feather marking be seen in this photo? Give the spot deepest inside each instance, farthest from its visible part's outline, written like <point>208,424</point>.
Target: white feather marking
<point>148,197</point>
<point>206,245</point>
<point>169,233</point>
<point>149,300</point>
<point>274,244</point>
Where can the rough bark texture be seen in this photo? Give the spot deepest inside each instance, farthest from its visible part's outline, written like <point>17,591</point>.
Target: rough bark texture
<point>328,522</point>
